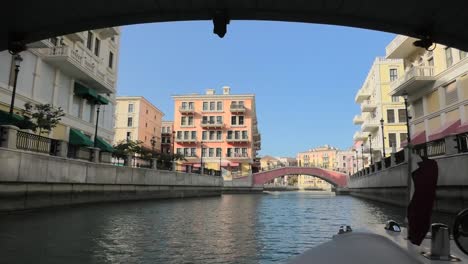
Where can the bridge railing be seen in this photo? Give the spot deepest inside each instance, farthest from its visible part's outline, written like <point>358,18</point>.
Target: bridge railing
<point>450,145</point>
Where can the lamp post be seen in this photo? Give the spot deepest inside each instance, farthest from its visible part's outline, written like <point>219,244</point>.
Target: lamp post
<point>98,109</point>
<point>201,158</point>
<point>18,59</point>
<point>370,149</point>
<point>357,161</point>
<point>408,137</point>
<point>383,137</point>
<point>173,150</point>
<point>220,156</point>
<point>153,144</point>
<point>362,155</point>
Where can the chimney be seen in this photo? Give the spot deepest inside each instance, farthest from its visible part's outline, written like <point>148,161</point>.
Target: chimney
<point>226,90</point>
<point>210,91</point>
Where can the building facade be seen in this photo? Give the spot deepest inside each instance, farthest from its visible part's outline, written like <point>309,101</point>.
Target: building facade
<point>311,182</point>
<point>436,83</point>
<point>321,157</point>
<point>77,72</point>
<point>346,161</point>
<point>138,120</point>
<point>167,137</point>
<point>269,162</point>
<point>377,106</point>
<point>216,131</point>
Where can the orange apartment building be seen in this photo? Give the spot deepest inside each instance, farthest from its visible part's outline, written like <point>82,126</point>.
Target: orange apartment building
<point>138,119</point>
<point>216,131</point>
<point>166,136</point>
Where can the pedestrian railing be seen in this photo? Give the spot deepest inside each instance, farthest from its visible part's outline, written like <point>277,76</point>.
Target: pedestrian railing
<point>36,143</point>
<point>431,149</point>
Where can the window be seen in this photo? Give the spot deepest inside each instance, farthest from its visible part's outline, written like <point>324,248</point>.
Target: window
<point>203,152</point>
<point>390,116</point>
<point>190,105</point>
<point>130,122</point>
<point>392,139</point>
<point>219,135</point>
<point>448,57</point>
<point>402,115</point>
<point>244,134</point>
<point>211,152</point>
<point>229,152</point>
<point>244,152</point>
<point>184,105</point>
<point>130,108</point>
<point>129,135</point>
<point>111,59</point>
<point>146,111</point>
<point>451,93</point>
<point>403,137</point>
<point>218,152</point>
<point>219,119</point>
<point>233,120</point>
<point>186,134</point>
<point>237,134</point>
<point>193,152</point>
<point>179,134</point>
<point>212,135</point>
<point>97,47</point>
<point>219,106</point>
<point>179,151</point>
<point>395,99</point>
<point>241,120</point>
<point>204,135</point>
<point>190,120</point>
<point>183,121</point>
<point>146,124</point>
<point>194,134</point>
<point>418,108</point>
<point>212,106</point>
<point>393,74</point>
<point>89,41</point>
<point>205,106</point>
<point>229,134</point>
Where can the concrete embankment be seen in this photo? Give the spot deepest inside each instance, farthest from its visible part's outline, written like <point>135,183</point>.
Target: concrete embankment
<point>389,185</point>
<point>241,186</point>
<point>31,180</point>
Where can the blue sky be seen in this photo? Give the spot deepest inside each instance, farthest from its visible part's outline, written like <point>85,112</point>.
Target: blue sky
<point>305,76</point>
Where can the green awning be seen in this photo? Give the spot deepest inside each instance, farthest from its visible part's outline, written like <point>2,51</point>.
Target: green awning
<point>15,120</point>
<point>102,100</point>
<point>85,92</point>
<point>103,145</point>
<point>79,139</point>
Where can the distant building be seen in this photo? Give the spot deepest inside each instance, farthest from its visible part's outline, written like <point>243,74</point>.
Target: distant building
<point>346,161</point>
<point>167,137</point>
<point>321,157</point>
<point>138,119</point>
<point>217,131</point>
<point>437,86</point>
<point>269,162</point>
<point>311,182</point>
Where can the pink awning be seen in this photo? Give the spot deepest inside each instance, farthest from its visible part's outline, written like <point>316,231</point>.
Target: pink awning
<point>445,130</point>
<point>196,165</point>
<point>416,140</point>
<point>231,164</point>
<point>462,128</point>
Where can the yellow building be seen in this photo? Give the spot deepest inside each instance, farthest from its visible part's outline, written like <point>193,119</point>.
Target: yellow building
<point>321,157</point>
<point>377,104</point>
<point>311,182</point>
<point>138,119</point>
<point>437,86</point>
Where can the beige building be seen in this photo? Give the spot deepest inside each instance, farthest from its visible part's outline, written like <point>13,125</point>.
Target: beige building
<point>437,86</point>
<point>138,119</point>
<point>167,137</point>
<point>77,72</point>
<point>377,104</point>
<point>311,182</point>
<point>346,161</point>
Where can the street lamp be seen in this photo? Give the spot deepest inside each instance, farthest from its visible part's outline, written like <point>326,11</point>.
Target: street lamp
<point>201,158</point>
<point>18,59</point>
<point>408,137</point>
<point>370,149</point>
<point>220,156</point>
<point>362,155</point>
<point>357,161</point>
<point>173,150</point>
<point>153,144</point>
<point>383,136</point>
<point>98,108</point>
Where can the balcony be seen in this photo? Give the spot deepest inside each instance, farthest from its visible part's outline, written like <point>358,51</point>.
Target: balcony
<point>237,108</point>
<point>78,36</point>
<point>237,155</point>
<point>401,47</point>
<point>108,32</point>
<point>358,136</point>
<point>186,140</point>
<point>211,124</point>
<point>237,140</point>
<point>357,120</point>
<point>362,95</point>
<point>186,110</point>
<point>413,80</point>
<point>370,125</point>
<point>81,65</point>
<point>368,106</point>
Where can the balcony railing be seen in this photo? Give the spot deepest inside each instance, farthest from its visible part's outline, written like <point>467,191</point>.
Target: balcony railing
<point>358,119</point>
<point>400,47</point>
<point>186,110</point>
<point>413,79</point>
<point>237,108</point>
<point>237,155</point>
<point>211,124</point>
<point>362,95</point>
<point>36,143</point>
<point>81,64</point>
<point>369,125</point>
<point>368,106</point>
<point>359,136</point>
<point>239,139</point>
<point>186,140</point>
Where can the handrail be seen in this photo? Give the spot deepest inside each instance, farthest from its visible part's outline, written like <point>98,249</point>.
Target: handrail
<point>36,143</point>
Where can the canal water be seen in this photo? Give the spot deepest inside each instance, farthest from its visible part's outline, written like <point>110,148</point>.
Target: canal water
<point>269,228</point>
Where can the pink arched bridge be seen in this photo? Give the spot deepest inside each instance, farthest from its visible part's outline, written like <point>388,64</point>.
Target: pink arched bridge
<point>335,178</point>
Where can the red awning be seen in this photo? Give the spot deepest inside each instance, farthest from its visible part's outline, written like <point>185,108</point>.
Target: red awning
<point>462,128</point>
<point>417,139</point>
<point>446,130</point>
<point>196,165</point>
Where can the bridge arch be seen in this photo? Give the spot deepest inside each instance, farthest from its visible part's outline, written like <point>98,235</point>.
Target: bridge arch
<point>335,178</point>
<point>445,23</point>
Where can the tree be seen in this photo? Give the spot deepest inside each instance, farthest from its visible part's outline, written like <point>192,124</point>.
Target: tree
<point>44,117</point>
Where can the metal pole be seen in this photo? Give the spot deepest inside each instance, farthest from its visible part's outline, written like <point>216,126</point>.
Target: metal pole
<point>409,151</point>
<point>220,155</point>
<point>96,127</point>
<point>201,158</point>
<point>362,156</point>
<point>173,150</point>
<point>383,137</point>
<point>15,80</point>
<point>370,150</point>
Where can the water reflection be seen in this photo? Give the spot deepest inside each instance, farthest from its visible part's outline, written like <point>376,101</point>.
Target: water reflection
<point>228,229</point>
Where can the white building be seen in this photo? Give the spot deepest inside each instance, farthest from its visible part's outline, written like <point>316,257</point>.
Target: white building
<point>72,72</point>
